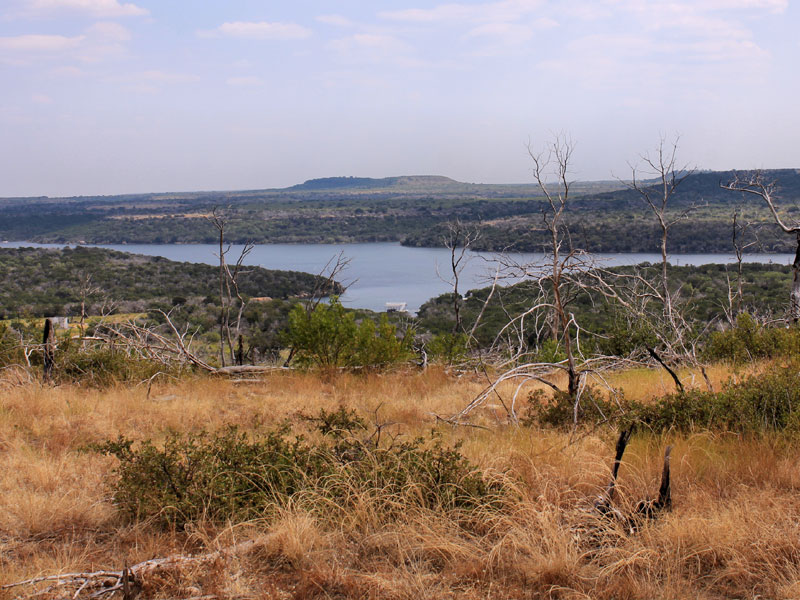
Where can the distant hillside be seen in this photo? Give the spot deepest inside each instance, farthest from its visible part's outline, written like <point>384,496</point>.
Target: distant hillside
<point>603,215</point>
<point>425,185</point>
<point>699,188</point>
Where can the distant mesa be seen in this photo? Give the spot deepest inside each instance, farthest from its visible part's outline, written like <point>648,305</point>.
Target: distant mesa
<point>370,183</point>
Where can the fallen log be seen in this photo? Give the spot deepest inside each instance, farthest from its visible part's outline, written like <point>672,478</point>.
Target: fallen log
<point>239,369</point>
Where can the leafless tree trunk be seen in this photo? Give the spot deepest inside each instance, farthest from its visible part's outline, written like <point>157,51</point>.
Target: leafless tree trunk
<point>755,184</point>
<point>556,161</point>
<point>218,221</point>
<point>663,167</point>
<point>228,289</point>
<point>459,239</point>
<point>739,230</point>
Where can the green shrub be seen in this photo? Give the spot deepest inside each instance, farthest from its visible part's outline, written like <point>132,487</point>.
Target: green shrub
<point>622,337</point>
<point>232,475</point>
<point>550,352</point>
<point>747,340</point>
<point>557,408</point>
<point>329,336</point>
<point>449,348</point>
<point>760,403</point>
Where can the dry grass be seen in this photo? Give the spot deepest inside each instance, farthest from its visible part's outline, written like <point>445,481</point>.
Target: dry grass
<point>733,532</point>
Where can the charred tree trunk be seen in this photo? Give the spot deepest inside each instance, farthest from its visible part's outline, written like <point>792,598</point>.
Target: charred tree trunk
<point>240,352</point>
<point>675,378</point>
<point>49,346</point>
<point>603,503</point>
<point>649,509</point>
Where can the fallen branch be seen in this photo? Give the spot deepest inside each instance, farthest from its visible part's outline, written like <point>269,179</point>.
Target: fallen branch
<point>98,584</point>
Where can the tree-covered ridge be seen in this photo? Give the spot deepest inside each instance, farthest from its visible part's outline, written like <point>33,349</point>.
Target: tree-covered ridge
<point>703,290</point>
<point>43,282</point>
<point>603,216</point>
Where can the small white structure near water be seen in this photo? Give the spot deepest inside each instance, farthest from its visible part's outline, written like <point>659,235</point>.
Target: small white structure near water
<point>396,307</point>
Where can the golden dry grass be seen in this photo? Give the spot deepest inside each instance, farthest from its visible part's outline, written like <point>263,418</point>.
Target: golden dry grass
<point>734,531</point>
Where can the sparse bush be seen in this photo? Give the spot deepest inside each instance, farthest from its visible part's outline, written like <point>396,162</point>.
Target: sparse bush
<point>10,347</point>
<point>101,365</point>
<point>230,475</point>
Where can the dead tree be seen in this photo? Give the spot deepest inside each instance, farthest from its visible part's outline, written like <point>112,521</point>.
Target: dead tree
<point>86,290</point>
<point>755,184</point>
<point>603,504</point>
<point>458,240</point>
<point>658,197</point>
<point>555,280</point>
<point>739,233</point>
<point>649,509</point>
<point>229,293</point>
<point>557,161</point>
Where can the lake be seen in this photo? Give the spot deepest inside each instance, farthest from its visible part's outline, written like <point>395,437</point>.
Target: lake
<point>388,272</point>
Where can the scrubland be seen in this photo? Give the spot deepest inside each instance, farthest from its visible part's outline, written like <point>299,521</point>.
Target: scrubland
<point>733,531</point>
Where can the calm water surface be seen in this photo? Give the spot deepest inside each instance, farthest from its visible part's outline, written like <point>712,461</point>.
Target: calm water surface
<point>388,272</point>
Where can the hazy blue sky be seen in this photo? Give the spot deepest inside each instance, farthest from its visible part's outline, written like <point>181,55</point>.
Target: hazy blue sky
<point>111,96</point>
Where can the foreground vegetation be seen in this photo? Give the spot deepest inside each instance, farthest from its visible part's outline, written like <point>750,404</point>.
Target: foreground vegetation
<point>732,531</point>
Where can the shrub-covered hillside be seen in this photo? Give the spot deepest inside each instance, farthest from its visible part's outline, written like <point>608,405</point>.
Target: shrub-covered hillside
<point>44,282</point>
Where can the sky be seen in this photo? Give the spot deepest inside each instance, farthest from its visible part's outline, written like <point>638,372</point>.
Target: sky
<point>115,96</point>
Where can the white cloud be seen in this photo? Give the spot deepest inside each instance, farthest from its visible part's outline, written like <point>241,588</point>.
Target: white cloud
<point>259,30</point>
<point>247,81</point>
<point>110,31</point>
<point>378,44</point>
<point>774,6</point>
<point>335,20</point>
<point>100,42</point>
<point>506,33</point>
<point>96,8</point>
<point>443,12</point>
<point>34,43</point>
<point>506,10</point>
